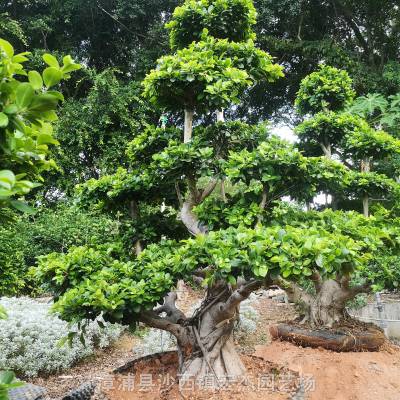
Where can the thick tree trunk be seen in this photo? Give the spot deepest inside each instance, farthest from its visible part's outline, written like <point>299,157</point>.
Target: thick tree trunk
<point>214,355</point>
<point>135,214</point>
<point>326,148</point>
<point>366,167</point>
<point>205,341</point>
<point>187,137</point>
<point>328,306</point>
<point>214,350</point>
<point>366,206</point>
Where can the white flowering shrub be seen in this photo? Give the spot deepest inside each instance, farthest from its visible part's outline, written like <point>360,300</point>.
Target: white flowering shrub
<point>248,317</point>
<point>30,338</point>
<point>155,341</point>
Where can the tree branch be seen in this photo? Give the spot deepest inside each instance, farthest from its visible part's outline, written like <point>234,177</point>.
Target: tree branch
<point>348,17</point>
<point>295,293</point>
<point>365,288</point>
<point>240,294</point>
<point>151,319</point>
<point>208,189</point>
<point>262,205</point>
<point>316,278</point>
<point>174,315</point>
<point>327,150</point>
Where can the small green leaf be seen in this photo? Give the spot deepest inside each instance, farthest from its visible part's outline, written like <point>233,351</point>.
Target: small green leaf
<point>52,76</point>
<point>286,273</point>
<point>51,61</point>
<point>7,176</point>
<point>45,138</point>
<point>11,109</point>
<point>23,207</point>
<point>6,377</point>
<point>24,95</point>
<point>3,120</point>
<point>319,261</point>
<point>7,48</point>
<point>35,79</point>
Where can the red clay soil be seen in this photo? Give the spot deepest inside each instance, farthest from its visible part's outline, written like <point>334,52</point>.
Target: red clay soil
<point>341,376</point>
<point>156,379</point>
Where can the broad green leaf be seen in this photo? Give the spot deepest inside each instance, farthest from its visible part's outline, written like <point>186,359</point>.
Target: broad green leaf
<point>7,176</point>
<point>6,377</point>
<point>7,47</point>
<point>24,95</point>
<point>3,120</point>
<point>51,76</point>
<point>3,312</point>
<point>11,109</point>
<point>70,68</point>
<point>67,60</point>
<point>286,273</point>
<point>44,102</point>
<point>23,207</point>
<point>45,138</point>
<point>51,61</point>
<point>35,79</point>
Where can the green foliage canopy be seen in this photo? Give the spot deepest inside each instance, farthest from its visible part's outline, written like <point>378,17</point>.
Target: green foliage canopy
<point>27,111</point>
<point>232,20</point>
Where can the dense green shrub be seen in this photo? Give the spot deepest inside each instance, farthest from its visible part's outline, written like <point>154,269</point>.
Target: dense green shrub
<point>49,231</point>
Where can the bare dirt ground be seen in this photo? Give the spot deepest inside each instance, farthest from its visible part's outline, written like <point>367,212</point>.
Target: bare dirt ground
<point>324,375</point>
<point>341,376</point>
<point>156,379</point>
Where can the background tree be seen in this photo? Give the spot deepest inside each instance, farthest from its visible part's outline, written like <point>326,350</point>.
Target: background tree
<point>326,95</point>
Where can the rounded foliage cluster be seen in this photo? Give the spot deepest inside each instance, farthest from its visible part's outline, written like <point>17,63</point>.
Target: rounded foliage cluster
<point>329,127</point>
<point>224,19</point>
<point>326,89</point>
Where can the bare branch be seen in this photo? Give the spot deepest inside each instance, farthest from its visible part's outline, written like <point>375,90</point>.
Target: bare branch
<point>348,16</point>
<point>316,278</point>
<point>208,189</point>
<point>240,294</point>
<point>365,288</point>
<point>174,315</point>
<point>262,205</point>
<point>151,319</point>
<point>326,150</point>
<point>223,192</point>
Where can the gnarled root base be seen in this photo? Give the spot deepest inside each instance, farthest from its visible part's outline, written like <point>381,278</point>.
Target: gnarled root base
<point>369,340</point>
<point>221,364</point>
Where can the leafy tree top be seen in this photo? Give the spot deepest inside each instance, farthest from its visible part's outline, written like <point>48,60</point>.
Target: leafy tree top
<point>329,127</point>
<point>208,75</point>
<point>326,89</point>
<point>224,19</point>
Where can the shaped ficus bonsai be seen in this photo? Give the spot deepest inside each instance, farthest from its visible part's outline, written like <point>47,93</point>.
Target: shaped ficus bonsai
<point>232,241</point>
